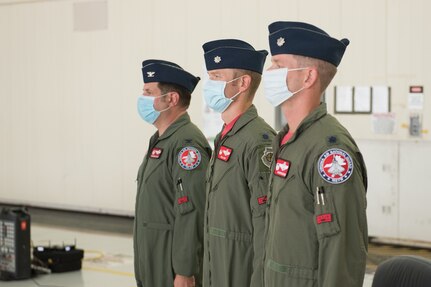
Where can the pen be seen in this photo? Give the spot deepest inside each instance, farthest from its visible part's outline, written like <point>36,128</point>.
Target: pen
<point>322,194</point>
<point>180,183</point>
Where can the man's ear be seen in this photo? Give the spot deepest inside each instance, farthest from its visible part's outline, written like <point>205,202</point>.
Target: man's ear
<point>174,98</point>
<point>311,77</point>
<point>245,83</point>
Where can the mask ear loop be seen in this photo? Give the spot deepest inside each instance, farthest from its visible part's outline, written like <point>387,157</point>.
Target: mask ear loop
<point>237,94</point>
<point>160,97</point>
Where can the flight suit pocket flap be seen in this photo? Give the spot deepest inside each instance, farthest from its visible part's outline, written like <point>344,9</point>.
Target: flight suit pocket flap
<point>158,226</point>
<point>292,270</point>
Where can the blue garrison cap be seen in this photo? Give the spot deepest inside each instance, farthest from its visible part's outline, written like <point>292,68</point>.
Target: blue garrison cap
<point>168,72</point>
<point>233,54</point>
<point>304,39</point>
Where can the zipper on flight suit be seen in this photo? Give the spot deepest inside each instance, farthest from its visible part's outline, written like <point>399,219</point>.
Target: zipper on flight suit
<point>268,204</point>
<point>140,182</point>
<point>217,144</point>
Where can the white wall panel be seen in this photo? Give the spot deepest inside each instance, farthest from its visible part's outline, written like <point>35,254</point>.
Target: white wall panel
<point>69,133</point>
<point>381,159</point>
<point>415,195</point>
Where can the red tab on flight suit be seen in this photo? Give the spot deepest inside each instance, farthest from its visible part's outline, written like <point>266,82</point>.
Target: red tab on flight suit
<point>224,153</point>
<point>262,200</point>
<point>327,217</point>
<point>23,225</point>
<point>182,200</point>
<point>282,167</point>
<point>156,152</point>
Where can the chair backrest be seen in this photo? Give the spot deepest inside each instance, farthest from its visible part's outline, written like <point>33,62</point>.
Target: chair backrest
<point>403,271</point>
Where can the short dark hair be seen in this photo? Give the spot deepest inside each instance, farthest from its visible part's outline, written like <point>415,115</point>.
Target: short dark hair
<point>185,95</point>
<point>326,70</point>
<point>255,80</point>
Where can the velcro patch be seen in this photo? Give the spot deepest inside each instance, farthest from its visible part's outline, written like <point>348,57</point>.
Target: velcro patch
<point>267,156</point>
<point>156,153</point>
<point>327,217</point>
<point>182,200</point>
<point>224,153</point>
<point>335,166</point>
<point>189,158</point>
<point>282,168</point>
<point>262,200</point>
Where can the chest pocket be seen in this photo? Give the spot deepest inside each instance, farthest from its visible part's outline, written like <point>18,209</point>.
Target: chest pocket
<point>221,169</point>
<point>282,185</point>
<point>152,166</point>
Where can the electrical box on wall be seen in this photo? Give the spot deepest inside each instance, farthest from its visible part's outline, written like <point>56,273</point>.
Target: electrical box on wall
<point>416,106</point>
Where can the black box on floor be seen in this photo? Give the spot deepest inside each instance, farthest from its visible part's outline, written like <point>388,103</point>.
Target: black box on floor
<point>14,244</point>
<point>59,259</point>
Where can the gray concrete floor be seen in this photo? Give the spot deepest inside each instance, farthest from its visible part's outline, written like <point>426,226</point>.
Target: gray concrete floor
<point>108,246</point>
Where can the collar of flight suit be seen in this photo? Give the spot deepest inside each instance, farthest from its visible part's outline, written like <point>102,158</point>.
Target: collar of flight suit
<point>181,121</point>
<point>314,116</point>
<point>249,115</point>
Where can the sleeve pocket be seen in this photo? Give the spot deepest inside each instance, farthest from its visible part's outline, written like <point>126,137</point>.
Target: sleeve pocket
<point>259,194</point>
<point>325,215</point>
<point>183,203</point>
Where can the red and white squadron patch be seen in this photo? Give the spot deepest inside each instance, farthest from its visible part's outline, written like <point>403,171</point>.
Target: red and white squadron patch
<point>224,153</point>
<point>189,158</point>
<point>335,166</point>
<point>156,152</point>
<point>282,167</point>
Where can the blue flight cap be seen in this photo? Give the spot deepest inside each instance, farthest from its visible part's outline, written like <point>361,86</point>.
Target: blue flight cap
<point>168,72</point>
<point>304,39</point>
<point>233,54</point>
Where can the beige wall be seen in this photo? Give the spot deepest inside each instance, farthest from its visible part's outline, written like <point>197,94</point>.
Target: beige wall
<point>69,133</point>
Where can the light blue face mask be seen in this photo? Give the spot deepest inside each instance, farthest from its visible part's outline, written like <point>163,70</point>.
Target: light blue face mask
<point>215,97</point>
<point>275,85</point>
<point>146,108</point>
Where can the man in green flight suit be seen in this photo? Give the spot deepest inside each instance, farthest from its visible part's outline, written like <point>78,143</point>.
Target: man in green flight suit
<point>316,226</point>
<point>238,173</point>
<point>169,211</point>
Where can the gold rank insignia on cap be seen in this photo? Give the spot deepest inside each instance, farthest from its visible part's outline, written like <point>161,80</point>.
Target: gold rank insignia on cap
<point>280,41</point>
<point>150,74</point>
<point>217,59</point>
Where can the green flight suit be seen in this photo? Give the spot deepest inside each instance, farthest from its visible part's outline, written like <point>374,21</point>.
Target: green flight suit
<point>316,226</point>
<point>237,180</point>
<point>168,230</point>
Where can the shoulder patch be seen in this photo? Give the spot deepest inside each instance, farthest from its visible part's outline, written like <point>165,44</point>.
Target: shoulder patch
<point>189,158</point>
<point>335,166</point>
<point>267,156</point>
